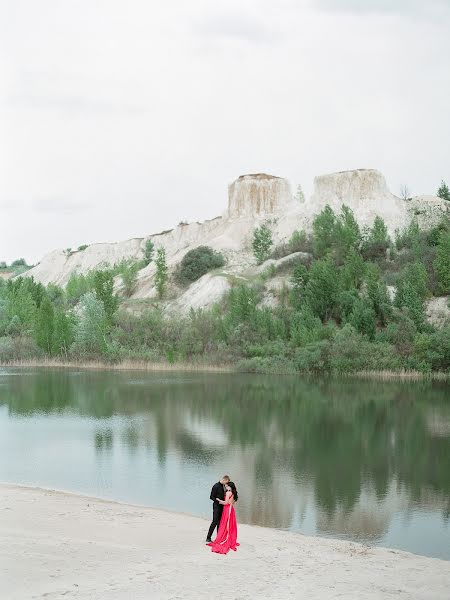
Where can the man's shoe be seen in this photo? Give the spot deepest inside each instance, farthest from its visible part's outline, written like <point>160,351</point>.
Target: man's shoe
<point>208,541</point>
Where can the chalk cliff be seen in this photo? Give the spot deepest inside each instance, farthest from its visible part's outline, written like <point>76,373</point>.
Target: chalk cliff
<point>258,195</point>
<point>252,199</point>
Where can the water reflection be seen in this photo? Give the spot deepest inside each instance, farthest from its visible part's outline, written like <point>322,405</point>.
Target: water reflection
<point>341,458</point>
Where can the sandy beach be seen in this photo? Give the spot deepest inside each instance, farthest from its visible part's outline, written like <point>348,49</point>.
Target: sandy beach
<point>59,545</point>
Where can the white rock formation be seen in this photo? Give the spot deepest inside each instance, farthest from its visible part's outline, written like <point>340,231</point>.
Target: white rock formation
<point>364,191</point>
<point>207,290</point>
<point>258,195</point>
<point>251,200</point>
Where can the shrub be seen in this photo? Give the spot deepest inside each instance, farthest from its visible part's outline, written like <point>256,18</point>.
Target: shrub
<point>262,242</point>
<point>443,191</point>
<point>19,262</point>
<point>149,250</point>
<point>128,270</point>
<point>433,349</point>
<point>82,247</point>
<point>277,365</point>
<point>18,348</point>
<point>298,242</point>
<point>313,357</point>
<point>351,351</point>
<point>196,263</point>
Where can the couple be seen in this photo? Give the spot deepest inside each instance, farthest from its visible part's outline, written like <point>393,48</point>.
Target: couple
<point>224,495</point>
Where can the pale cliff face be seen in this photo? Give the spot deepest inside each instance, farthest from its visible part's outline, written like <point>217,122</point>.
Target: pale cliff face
<point>351,186</point>
<point>258,195</point>
<point>251,200</point>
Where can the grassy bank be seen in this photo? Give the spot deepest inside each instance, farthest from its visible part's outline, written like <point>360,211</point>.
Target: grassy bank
<point>124,365</point>
<point>203,367</point>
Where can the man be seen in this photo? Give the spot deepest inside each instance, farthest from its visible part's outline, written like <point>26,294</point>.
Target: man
<point>218,491</point>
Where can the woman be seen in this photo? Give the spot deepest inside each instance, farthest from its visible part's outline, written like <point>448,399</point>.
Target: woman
<point>227,534</point>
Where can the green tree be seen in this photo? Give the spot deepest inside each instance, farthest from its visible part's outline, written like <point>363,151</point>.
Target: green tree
<point>411,292</point>
<point>20,304</point>
<point>376,240</point>
<point>442,262</point>
<point>443,191</point>
<point>92,326</point>
<point>299,279</point>
<point>44,327</point>
<point>128,270</point>
<point>63,333</point>
<point>410,238</point>
<point>377,293</point>
<point>322,288</point>
<point>104,291</point>
<point>262,242</point>
<point>149,250</point>
<point>77,286</point>
<point>347,235</point>
<point>363,317</point>
<point>162,272</point>
<point>324,230</point>
<point>352,272</point>
<point>306,328</point>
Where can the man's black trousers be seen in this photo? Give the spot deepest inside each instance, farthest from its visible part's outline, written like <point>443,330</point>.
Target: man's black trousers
<point>217,515</point>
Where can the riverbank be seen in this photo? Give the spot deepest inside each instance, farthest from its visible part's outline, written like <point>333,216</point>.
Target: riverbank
<point>192,367</point>
<point>58,545</point>
<point>124,365</point>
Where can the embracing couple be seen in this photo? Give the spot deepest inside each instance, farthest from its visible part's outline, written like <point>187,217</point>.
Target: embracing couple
<point>224,495</point>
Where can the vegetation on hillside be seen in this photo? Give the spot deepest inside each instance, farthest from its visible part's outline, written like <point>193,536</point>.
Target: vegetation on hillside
<point>17,267</point>
<point>353,300</point>
<point>196,263</point>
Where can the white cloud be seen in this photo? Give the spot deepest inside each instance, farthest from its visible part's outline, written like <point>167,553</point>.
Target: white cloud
<point>142,112</point>
<point>412,8</point>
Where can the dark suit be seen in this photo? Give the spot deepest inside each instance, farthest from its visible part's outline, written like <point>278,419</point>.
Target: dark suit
<point>217,491</point>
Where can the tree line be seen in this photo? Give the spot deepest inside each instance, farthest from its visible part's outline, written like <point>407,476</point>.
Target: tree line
<point>353,299</point>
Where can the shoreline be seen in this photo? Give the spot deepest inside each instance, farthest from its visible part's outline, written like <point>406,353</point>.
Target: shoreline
<point>124,365</point>
<point>150,367</point>
<point>57,543</point>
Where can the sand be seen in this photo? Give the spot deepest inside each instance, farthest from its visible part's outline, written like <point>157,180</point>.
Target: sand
<point>59,545</point>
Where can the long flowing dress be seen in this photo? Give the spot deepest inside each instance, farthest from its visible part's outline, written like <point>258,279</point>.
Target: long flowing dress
<point>227,534</point>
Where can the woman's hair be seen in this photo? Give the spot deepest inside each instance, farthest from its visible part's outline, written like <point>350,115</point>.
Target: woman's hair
<point>233,490</point>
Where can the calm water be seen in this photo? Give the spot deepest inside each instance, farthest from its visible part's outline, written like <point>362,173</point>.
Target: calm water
<point>360,460</point>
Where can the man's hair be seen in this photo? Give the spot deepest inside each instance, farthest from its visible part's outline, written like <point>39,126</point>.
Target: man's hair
<point>226,477</point>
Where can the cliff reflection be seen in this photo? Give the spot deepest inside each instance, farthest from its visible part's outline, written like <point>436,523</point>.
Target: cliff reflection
<point>355,451</point>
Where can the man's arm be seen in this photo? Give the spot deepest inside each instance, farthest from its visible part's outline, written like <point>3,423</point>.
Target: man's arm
<point>213,495</point>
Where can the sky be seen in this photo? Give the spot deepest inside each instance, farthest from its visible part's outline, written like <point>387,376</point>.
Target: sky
<point>122,118</point>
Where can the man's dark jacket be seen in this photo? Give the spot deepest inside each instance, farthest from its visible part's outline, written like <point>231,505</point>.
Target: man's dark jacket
<point>217,492</point>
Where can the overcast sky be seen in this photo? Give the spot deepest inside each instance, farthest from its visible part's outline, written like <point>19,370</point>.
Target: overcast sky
<point>119,118</point>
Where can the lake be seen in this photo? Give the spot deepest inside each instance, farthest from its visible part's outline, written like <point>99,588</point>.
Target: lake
<point>362,460</point>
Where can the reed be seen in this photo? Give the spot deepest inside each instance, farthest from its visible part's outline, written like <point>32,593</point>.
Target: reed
<point>204,367</point>
<point>124,365</point>
<point>404,374</point>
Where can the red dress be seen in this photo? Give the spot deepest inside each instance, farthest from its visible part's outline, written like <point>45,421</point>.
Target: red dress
<point>227,534</point>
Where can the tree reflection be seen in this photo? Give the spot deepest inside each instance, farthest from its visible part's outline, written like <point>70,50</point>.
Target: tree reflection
<point>349,442</point>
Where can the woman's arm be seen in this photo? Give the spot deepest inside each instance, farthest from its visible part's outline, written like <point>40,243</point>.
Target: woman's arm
<point>228,499</point>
